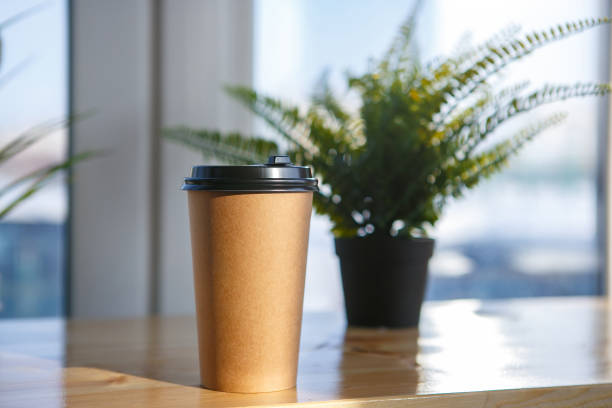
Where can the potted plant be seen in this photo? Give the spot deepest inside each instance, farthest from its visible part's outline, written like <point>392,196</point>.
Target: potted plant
<point>388,170</point>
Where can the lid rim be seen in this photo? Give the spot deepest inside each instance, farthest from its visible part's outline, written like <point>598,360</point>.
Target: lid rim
<point>275,176</point>
<point>235,189</point>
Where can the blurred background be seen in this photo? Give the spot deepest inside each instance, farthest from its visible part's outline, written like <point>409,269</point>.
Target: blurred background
<point>121,248</point>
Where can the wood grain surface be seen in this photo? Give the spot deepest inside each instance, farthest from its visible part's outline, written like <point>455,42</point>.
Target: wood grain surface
<point>91,387</point>
<point>463,351</point>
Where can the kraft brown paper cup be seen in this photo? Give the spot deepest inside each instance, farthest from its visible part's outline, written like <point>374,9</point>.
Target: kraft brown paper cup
<point>249,262</point>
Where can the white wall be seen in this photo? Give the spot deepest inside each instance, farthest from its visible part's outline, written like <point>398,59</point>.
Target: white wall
<point>141,64</point>
<point>205,44</point>
<point>111,45</point>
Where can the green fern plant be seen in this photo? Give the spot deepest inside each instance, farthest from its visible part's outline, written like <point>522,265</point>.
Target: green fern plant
<point>418,138</point>
<point>29,184</point>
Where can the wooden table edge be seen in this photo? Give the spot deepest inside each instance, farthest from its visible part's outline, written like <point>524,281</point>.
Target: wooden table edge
<point>592,395</point>
<point>557,396</point>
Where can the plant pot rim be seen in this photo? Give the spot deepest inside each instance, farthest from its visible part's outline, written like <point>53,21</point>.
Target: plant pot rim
<point>384,238</point>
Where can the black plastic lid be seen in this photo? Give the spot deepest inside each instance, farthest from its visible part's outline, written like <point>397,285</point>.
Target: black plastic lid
<point>278,175</point>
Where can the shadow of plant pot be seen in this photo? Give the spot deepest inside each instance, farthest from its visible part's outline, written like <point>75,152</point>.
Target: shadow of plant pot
<point>379,362</point>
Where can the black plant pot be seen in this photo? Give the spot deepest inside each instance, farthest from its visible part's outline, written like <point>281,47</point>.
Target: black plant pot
<point>384,279</point>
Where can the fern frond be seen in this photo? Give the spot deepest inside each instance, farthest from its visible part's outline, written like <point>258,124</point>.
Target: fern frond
<point>511,91</point>
<point>403,48</point>
<point>503,36</point>
<point>442,68</point>
<point>232,147</point>
<point>323,97</point>
<point>39,179</point>
<point>285,120</point>
<point>463,120</point>
<point>15,18</point>
<point>30,137</point>
<point>492,160</point>
<point>487,124</point>
<point>498,57</point>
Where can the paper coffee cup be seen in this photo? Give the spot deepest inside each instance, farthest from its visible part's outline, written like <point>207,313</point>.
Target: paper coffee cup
<point>249,237</point>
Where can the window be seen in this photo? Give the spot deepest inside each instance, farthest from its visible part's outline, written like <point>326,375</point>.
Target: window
<point>529,231</point>
<point>32,237</point>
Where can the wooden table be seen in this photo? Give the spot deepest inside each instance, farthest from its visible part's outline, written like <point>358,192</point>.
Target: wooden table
<point>550,352</point>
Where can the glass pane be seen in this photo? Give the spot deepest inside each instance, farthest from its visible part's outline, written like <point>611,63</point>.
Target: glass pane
<point>33,90</point>
<point>528,231</point>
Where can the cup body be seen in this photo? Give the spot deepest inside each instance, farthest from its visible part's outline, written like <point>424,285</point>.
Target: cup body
<point>249,262</point>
